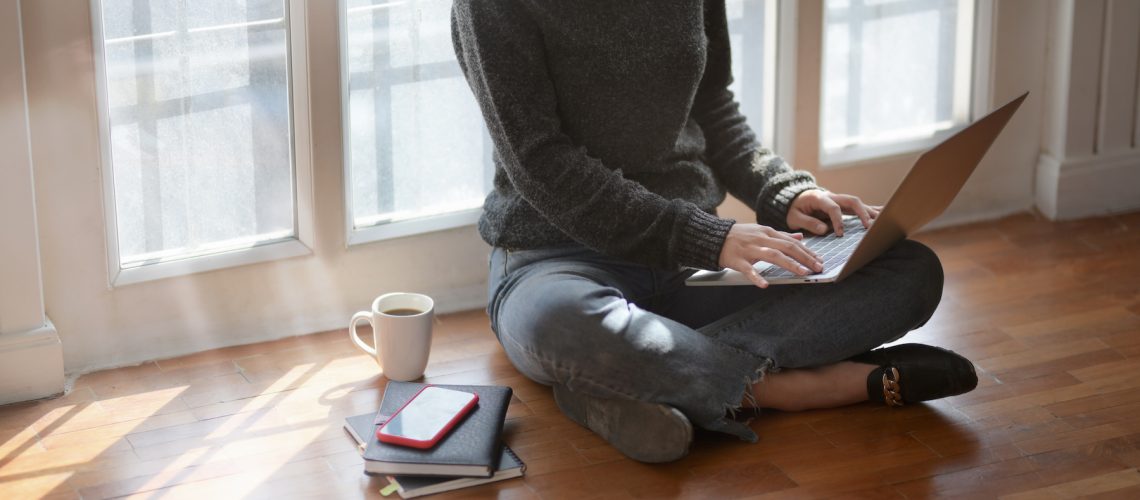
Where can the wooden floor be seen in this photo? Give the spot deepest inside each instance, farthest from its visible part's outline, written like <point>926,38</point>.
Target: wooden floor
<point>1050,313</point>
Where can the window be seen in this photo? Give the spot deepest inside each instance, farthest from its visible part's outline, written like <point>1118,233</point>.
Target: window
<point>895,72</point>
<point>416,148</point>
<point>752,34</point>
<point>195,99</point>
<point>205,117</point>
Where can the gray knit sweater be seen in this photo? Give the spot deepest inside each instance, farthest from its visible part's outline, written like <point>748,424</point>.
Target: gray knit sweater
<point>614,127</point>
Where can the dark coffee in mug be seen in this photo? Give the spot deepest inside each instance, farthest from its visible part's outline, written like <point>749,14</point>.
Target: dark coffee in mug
<point>402,312</point>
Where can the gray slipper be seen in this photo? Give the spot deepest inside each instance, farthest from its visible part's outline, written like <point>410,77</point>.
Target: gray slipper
<point>646,432</point>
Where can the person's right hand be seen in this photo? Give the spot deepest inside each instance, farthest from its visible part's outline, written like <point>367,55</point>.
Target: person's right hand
<point>747,244</point>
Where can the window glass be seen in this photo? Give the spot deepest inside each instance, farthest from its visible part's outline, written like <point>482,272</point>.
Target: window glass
<point>893,70</point>
<point>746,28</point>
<point>417,145</point>
<point>200,130</point>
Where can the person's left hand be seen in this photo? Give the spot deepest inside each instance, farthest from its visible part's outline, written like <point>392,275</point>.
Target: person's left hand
<point>813,207</point>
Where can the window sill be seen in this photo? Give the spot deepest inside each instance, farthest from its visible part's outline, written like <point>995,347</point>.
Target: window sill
<point>282,249</point>
<point>861,154</point>
<point>411,227</point>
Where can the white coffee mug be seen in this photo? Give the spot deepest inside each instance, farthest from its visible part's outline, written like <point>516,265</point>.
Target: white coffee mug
<point>401,332</point>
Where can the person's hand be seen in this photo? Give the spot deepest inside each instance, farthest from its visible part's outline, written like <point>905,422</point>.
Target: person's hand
<point>747,244</point>
<point>812,208</point>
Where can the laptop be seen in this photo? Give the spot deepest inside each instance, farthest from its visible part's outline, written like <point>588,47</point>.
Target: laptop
<point>924,194</point>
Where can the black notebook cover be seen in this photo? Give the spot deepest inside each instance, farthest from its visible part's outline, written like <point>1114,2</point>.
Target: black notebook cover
<point>510,466</point>
<point>470,449</point>
<point>416,486</point>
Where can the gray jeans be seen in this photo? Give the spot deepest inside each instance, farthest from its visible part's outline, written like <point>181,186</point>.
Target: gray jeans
<point>614,329</point>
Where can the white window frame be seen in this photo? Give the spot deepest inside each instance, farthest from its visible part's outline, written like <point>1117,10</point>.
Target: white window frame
<point>300,243</point>
<point>781,128</point>
<point>801,104</point>
<point>380,229</point>
<point>774,12</point>
<point>787,127</point>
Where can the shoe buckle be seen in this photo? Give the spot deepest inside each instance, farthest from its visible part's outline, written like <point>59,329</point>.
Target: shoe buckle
<point>892,395</point>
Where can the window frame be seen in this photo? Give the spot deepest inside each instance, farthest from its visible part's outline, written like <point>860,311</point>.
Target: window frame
<point>380,230</point>
<point>808,15</point>
<point>790,126</point>
<point>784,58</point>
<point>299,244</point>
<point>773,40</point>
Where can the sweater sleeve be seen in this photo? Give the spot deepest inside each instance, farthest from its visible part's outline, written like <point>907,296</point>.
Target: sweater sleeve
<point>501,52</point>
<point>752,173</point>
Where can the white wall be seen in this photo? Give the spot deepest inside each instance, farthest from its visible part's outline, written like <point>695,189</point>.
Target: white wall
<point>1002,184</point>
<point>22,307</point>
<point>1090,163</point>
<point>31,365</point>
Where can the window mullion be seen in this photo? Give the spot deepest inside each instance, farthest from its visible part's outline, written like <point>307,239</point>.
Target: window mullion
<point>855,19</point>
<point>948,36</point>
<point>263,123</point>
<point>148,130</point>
<point>969,22</point>
<point>382,111</point>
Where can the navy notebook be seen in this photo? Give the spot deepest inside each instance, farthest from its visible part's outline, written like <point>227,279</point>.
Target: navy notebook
<point>472,449</point>
<point>509,466</point>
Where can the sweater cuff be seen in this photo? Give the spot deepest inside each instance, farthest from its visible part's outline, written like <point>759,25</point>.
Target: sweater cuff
<point>772,207</point>
<point>702,238</point>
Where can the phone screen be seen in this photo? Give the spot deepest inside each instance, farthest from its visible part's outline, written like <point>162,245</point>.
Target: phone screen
<point>427,414</point>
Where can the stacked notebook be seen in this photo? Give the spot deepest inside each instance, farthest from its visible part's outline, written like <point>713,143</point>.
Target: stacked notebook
<point>470,454</point>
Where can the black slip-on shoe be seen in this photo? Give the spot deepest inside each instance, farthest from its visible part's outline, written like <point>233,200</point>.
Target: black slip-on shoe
<point>646,432</point>
<point>909,373</point>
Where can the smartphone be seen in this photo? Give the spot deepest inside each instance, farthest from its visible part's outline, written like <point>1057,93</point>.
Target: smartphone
<point>427,417</point>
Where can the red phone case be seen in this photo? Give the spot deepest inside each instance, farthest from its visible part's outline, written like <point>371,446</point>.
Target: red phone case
<point>424,444</point>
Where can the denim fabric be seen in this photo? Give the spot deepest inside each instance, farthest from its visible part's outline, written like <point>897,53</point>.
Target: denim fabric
<point>613,329</point>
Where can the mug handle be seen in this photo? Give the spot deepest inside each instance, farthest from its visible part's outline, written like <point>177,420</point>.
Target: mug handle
<point>366,316</point>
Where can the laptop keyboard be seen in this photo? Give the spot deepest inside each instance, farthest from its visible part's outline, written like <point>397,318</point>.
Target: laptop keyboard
<point>832,249</point>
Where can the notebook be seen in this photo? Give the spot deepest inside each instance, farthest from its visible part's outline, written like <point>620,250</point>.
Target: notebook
<point>471,448</point>
<point>509,466</point>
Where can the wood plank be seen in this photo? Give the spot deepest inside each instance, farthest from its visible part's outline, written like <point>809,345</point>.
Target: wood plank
<point>1042,354</point>
<point>1056,338</point>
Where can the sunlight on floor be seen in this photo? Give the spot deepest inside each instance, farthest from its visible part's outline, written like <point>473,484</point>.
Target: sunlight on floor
<point>189,427</point>
<point>21,443</point>
<point>74,434</point>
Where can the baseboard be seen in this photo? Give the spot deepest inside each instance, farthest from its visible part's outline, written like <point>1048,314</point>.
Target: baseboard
<point>461,299</point>
<point>31,365</point>
<point>447,301</point>
<point>1084,187</point>
<point>1045,185</point>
